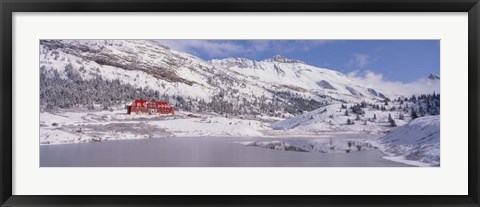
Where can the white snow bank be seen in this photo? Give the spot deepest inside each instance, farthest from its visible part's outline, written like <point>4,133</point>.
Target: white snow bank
<point>48,119</point>
<point>212,126</point>
<point>92,126</point>
<point>418,140</point>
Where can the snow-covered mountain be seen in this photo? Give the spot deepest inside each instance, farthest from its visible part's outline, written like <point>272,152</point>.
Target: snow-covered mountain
<point>300,77</point>
<point>148,65</point>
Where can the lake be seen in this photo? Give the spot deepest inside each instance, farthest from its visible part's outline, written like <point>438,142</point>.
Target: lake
<point>200,152</point>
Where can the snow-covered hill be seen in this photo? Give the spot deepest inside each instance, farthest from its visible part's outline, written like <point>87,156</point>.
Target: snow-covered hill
<point>289,86</point>
<point>365,117</point>
<point>418,140</point>
<point>333,119</point>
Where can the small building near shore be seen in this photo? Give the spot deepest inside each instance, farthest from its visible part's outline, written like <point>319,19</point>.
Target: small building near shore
<point>152,107</point>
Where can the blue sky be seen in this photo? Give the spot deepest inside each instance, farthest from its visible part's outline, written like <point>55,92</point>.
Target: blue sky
<point>394,60</point>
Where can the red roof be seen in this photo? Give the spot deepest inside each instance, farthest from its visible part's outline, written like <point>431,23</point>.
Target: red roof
<point>139,101</point>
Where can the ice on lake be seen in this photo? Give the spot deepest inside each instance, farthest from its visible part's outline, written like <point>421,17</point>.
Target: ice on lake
<point>202,152</point>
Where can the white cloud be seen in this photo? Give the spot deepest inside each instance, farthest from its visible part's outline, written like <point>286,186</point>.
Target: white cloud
<point>260,45</point>
<point>359,60</point>
<point>212,48</point>
<point>395,88</point>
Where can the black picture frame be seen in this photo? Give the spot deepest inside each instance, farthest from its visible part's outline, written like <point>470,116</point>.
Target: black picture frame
<point>7,8</point>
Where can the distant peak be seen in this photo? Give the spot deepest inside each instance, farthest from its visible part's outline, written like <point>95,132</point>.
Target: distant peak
<point>282,59</point>
<point>278,57</point>
<point>434,77</point>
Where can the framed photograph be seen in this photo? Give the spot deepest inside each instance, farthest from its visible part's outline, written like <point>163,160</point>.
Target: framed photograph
<point>197,103</point>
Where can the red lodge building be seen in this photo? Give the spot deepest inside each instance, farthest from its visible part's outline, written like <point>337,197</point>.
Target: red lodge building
<point>140,106</point>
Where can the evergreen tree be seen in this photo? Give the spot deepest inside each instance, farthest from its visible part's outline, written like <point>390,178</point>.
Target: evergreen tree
<point>358,118</point>
<point>349,122</point>
<point>413,114</point>
<point>392,123</point>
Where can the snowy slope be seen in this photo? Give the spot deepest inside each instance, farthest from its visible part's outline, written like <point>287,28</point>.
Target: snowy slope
<point>137,62</point>
<point>418,140</point>
<point>332,118</point>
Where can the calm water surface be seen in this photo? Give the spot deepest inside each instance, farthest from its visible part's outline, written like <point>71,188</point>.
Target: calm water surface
<point>199,152</point>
